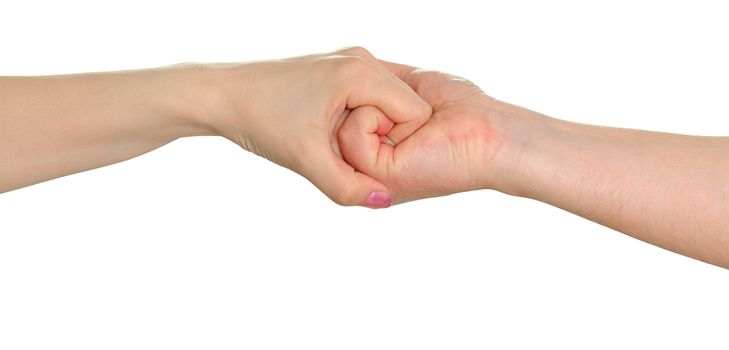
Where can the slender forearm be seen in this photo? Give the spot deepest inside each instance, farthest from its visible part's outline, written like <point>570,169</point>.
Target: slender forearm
<point>666,189</point>
<point>59,125</point>
<point>285,110</point>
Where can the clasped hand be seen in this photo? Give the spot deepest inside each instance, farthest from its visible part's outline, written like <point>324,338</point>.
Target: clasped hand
<point>364,131</point>
<point>373,133</point>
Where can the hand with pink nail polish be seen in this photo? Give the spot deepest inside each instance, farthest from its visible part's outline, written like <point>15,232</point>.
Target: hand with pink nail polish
<point>286,110</point>
<point>289,111</point>
<point>403,133</point>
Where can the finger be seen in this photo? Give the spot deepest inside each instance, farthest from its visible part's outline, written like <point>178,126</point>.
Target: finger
<point>404,127</point>
<point>343,184</point>
<point>399,102</point>
<point>374,61</point>
<point>401,71</point>
<point>361,141</point>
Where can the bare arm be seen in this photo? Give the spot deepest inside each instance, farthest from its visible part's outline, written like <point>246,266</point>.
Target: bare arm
<point>285,110</point>
<point>54,126</point>
<point>668,190</point>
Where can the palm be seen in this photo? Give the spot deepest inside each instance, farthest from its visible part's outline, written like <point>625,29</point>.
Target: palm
<point>449,152</point>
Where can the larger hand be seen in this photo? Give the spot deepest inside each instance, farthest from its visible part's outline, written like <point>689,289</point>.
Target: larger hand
<point>454,151</point>
<point>667,189</point>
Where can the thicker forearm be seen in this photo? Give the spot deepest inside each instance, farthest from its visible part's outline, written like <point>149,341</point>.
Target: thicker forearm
<point>59,125</point>
<point>666,189</point>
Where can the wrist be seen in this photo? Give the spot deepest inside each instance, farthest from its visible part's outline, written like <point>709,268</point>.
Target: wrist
<point>523,138</point>
<point>227,99</point>
<point>192,96</point>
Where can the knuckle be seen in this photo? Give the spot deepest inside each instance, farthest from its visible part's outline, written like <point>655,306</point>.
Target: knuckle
<point>341,197</point>
<point>361,113</point>
<point>343,193</point>
<point>359,51</point>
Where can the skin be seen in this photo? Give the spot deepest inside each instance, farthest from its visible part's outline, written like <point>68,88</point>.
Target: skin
<point>285,110</point>
<point>368,133</point>
<point>665,189</point>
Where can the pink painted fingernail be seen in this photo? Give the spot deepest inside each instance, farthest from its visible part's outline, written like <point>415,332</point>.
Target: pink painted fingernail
<point>379,200</point>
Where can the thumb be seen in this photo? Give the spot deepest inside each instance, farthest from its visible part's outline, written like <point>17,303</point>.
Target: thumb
<point>343,184</point>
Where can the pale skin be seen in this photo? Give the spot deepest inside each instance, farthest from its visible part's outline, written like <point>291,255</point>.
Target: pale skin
<point>373,133</point>
<point>285,110</point>
<point>666,189</point>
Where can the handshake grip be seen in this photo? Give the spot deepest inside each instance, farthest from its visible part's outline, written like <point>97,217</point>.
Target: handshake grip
<point>375,133</point>
<point>452,151</point>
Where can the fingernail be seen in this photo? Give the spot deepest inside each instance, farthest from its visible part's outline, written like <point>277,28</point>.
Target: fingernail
<point>379,200</point>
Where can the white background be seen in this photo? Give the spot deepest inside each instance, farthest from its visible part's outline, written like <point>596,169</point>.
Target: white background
<point>200,245</point>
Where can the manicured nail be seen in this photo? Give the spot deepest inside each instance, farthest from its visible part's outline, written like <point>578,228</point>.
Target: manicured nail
<point>379,200</point>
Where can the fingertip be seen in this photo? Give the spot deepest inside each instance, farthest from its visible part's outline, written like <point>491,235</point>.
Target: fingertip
<point>427,109</point>
<point>384,124</point>
<point>378,200</point>
<point>417,113</point>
